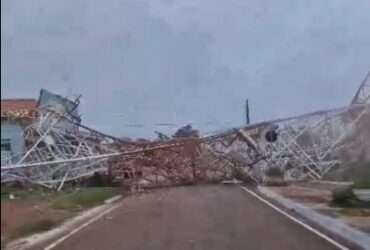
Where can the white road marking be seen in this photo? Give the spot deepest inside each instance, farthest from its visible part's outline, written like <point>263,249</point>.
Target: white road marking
<point>92,220</point>
<point>323,236</point>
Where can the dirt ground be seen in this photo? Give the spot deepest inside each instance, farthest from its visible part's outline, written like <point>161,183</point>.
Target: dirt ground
<point>304,194</point>
<point>215,217</point>
<point>22,217</point>
<point>318,196</point>
<point>33,211</point>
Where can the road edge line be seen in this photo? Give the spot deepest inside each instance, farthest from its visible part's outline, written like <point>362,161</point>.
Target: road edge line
<point>76,230</point>
<point>306,226</point>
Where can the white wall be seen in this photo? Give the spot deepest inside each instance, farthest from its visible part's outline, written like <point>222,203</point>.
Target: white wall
<point>13,131</point>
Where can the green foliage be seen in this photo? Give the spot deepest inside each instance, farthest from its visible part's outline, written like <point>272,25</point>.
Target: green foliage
<point>363,180</point>
<point>36,193</point>
<point>70,199</point>
<point>274,172</point>
<point>83,198</point>
<point>362,184</point>
<point>345,197</point>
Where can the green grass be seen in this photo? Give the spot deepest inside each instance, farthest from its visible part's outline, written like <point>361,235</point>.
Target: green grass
<point>68,198</point>
<point>84,198</point>
<point>362,180</point>
<point>36,193</point>
<point>362,183</point>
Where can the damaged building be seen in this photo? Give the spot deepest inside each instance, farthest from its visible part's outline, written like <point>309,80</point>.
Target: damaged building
<point>18,114</point>
<point>56,148</point>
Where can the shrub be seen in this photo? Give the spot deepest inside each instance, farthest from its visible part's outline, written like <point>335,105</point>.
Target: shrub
<point>363,179</point>
<point>344,197</point>
<point>274,172</point>
<point>362,184</point>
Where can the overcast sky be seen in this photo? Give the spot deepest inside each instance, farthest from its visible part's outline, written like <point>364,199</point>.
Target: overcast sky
<point>180,61</point>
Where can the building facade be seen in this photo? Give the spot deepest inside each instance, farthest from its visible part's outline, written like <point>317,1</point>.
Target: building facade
<point>16,115</point>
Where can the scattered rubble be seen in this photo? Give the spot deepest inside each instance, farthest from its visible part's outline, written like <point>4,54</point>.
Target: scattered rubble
<point>303,147</point>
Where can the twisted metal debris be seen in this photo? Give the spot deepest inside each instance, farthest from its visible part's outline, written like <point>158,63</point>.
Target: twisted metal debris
<point>363,93</point>
<point>304,147</point>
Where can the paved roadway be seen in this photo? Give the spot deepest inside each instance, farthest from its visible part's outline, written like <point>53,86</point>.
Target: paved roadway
<point>194,218</point>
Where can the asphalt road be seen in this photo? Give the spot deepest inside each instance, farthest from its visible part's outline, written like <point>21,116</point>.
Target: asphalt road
<point>194,218</point>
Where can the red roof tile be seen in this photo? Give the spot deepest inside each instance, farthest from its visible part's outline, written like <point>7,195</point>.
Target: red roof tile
<point>17,107</point>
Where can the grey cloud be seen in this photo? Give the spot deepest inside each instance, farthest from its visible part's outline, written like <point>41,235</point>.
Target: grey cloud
<point>147,62</point>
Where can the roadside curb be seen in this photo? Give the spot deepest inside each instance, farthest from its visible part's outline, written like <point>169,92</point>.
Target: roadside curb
<point>332,225</point>
<point>65,227</point>
<point>113,199</point>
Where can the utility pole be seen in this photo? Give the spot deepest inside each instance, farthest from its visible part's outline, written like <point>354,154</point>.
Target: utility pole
<point>247,117</point>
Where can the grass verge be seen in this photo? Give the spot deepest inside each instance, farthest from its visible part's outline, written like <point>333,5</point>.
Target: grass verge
<point>37,193</point>
<point>37,210</point>
<point>362,183</point>
<point>83,198</point>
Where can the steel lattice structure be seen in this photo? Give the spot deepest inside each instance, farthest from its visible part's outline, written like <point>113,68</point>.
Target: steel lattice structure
<point>55,155</point>
<point>306,145</point>
<point>304,149</point>
<point>363,94</point>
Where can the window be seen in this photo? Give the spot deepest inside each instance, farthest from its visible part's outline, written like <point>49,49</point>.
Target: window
<point>5,145</point>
